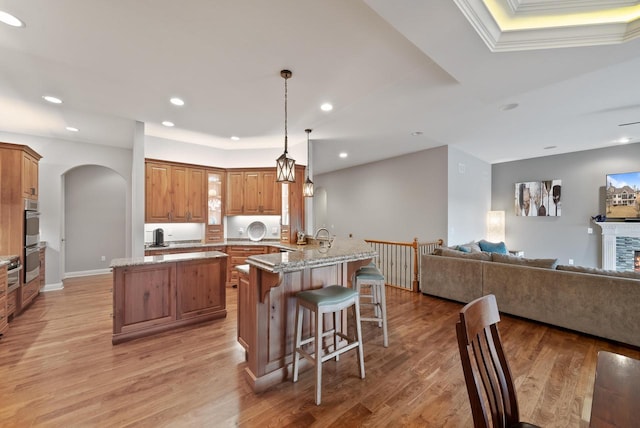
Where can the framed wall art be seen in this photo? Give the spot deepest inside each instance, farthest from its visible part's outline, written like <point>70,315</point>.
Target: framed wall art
<point>538,198</point>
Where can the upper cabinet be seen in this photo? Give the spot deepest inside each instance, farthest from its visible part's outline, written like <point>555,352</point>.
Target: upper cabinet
<point>174,193</point>
<point>215,205</point>
<point>253,192</point>
<point>29,175</point>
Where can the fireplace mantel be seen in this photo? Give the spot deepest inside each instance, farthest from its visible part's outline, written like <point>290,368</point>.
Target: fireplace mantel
<point>610,230</point>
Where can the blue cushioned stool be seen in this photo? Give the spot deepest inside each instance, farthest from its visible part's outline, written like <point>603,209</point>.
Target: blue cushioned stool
<point>370,277</point>
<point>332,299</point>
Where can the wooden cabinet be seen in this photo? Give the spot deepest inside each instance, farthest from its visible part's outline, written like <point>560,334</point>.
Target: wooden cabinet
<point>168,250</point>
<point>237,256</point>
<point>4,313</point>
<point>292,200</point>
<point>244,310</point>
<point>199,288</point>
<point>214,230</point>
<point>30,176</point>
<point>12,302</point>
<point>174,193</point>
<point>156,297</point>
<point>253,192</point>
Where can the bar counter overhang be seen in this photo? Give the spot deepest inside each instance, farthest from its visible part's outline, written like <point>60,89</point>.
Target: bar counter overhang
<point>266,305</point>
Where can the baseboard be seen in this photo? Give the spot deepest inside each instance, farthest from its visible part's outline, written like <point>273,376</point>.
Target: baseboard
<point>52,287</point>
<point>86,273</point>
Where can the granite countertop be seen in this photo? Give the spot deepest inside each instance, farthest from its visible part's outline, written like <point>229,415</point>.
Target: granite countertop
<point>268,242</point>
<point>165,258</point>
<point>313,255</point>
<point>4,260</point>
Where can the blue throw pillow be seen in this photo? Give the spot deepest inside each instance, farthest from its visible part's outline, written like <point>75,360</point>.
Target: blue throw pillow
<point>463,249</point>
<point>493,247</point>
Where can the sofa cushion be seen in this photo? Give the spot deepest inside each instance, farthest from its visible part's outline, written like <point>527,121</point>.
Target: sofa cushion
<point>493,247</point>
<point>447,252</point>
<point>594,271</point>
<point>521,261</point>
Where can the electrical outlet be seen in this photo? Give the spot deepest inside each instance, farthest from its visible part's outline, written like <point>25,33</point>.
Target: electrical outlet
<point>570,261</point>
<point>103,258</point>
<point>240,230</point>
<point>589,230</point>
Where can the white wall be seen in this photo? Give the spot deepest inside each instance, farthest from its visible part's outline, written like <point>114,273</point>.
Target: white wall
<point>396,199</point>
<point>59,156</point>
<point>469,197</point>
<point>583,182</point>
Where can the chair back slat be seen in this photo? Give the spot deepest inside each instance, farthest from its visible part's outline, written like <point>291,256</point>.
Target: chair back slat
<point>485,367</point>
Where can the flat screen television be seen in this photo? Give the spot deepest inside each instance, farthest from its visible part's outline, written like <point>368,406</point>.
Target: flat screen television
<point>623,196</point>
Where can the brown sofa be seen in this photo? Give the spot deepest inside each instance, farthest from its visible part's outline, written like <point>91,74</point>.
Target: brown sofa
<point>581,299</point>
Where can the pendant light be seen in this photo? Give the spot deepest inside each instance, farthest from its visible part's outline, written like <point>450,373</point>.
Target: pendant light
<point>285,166</point>
<point>307,188</point>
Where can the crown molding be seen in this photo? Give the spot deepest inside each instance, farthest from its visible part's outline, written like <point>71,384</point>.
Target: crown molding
<point>544,37</point>
<point>565,6</point>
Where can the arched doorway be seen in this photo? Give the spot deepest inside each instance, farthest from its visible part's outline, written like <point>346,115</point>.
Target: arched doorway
<point>94,219</point>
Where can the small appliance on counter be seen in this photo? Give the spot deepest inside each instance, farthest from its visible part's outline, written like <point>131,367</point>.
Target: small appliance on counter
<point>158,238</point>
<point>302,240</point>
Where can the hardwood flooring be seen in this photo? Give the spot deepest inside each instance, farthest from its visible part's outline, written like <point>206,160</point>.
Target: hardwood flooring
<point>58,368</point>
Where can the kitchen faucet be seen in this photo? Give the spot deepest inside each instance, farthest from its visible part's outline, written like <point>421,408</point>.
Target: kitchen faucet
<point>326,232</point>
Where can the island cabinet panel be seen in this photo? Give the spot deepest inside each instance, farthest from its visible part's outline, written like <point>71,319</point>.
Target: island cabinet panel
<point>4,314</point>
<point>246,315</point>
<point>199,291</point>
<point>144,297</point>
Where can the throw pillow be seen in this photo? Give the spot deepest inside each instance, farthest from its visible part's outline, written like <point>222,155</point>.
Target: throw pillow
<point>521,261</point>
<point>472,246</point>
<point>447,252</point>
<point>463,248</point>
<point>493,247</point>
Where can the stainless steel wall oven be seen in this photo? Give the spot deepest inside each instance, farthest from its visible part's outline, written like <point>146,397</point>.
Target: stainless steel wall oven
<point>31,265</point>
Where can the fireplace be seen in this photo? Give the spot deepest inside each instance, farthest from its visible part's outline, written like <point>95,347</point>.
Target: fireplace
<point>620,245</point>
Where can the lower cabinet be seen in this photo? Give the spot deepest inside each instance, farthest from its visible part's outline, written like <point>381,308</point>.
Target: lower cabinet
<point>244,310</point>
<point>238,256</point>
<point>151,298</point>
<point>29,292</point>
<point>4,314</point>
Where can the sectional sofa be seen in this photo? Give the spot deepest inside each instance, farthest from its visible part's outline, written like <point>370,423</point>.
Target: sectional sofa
<point>601,303</point>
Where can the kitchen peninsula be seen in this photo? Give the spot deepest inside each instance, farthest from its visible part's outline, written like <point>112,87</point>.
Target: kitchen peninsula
<point>157,293</point>
<point>266,301</point>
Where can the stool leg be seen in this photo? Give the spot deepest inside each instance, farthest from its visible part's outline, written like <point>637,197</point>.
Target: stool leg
<point>318,359</point>
<point>296,354</point>
<point>383,309</point>
<point>335,333</point>
<point>356,310</point>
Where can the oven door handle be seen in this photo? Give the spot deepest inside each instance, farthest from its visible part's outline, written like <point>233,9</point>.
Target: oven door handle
<point>15,269</point>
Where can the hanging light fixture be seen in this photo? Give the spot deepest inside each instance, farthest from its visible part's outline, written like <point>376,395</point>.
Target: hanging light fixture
<point>285,166</point>
<point>307,188</point>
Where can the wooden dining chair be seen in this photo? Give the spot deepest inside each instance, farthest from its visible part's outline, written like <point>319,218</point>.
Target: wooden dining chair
<point>486,372</point>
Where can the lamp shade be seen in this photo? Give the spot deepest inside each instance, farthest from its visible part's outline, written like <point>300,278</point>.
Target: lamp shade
<point>495,226</point>
<point>285,169</point>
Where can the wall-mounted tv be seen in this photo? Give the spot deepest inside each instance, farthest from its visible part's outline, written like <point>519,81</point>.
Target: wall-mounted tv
<point>623,196</point>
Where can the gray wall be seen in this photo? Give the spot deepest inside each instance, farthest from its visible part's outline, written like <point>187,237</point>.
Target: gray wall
<point>583,180</point>
<point>405,197</point>
<point>95,218</point>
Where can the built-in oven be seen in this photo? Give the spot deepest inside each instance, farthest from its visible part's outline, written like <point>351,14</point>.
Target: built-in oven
<point>31,263</point>
<point>31,223</point>
<point>31,260</point>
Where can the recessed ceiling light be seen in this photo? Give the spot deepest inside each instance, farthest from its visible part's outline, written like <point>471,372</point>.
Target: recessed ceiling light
<point>416,133</point>
<point>343,155</point>
<point>624,140</point>
<point>550,147</point>
<point>326,107</point>
<point>176,101</point>
<point>72,129</point>
<point>168,124</point>
<point>52,100</point>
<point>511,106</point>
<point>11,20</point>
<point>235,138</point>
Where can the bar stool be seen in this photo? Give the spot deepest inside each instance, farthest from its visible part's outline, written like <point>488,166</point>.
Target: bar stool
<point>369,276</point>
<point>332,299</point>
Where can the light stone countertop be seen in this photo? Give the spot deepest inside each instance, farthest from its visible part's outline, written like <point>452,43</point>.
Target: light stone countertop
<point>300,257</point>
<point>165,258</point>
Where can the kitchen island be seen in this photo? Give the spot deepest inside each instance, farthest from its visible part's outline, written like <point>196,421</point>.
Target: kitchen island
<point>152,294</point>
<point>267,301</point>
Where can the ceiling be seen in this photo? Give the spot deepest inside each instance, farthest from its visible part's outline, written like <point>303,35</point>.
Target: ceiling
<point>390,69</point>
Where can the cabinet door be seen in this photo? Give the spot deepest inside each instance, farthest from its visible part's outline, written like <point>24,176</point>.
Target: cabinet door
<point>270,194</point>
<point>29,177</point>
<point>246,316</point>
<point>157,193</point>
<point>214,230</point>
<point>144,297</point>
<point>196,181</point>
<point>235,193</point>
<point>252,189</point>
<point>179,194</point>
<point>201,288</point>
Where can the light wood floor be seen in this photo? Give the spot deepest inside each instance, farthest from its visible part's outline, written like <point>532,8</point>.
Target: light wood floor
<point>58,368</point>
